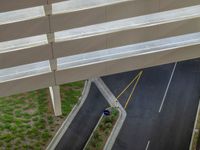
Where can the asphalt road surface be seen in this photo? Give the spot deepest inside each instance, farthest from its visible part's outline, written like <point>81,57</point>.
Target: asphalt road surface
<point>83,124</point>
<point>162,109</point>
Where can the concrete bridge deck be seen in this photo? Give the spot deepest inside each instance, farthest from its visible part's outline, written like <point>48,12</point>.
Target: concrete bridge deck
<point>48,43</point>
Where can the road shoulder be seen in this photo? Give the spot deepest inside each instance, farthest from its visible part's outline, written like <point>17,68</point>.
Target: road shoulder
<point>52,145</point>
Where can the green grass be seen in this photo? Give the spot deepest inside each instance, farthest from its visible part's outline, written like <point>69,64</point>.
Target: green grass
<point>102,132</point>
<point>27,120</point>
<point>196,134</point>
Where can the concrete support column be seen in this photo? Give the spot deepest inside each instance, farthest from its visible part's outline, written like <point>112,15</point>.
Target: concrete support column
<point>54,90</point>
<point>56,99</point>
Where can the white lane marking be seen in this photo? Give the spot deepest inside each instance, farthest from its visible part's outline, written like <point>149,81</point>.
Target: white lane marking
<point>147,145</point>
<point>166,91</point>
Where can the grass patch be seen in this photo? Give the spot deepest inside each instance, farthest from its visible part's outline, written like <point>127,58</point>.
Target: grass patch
<point>27,120</point>
<point>196,138</point>
<point>102,132</point>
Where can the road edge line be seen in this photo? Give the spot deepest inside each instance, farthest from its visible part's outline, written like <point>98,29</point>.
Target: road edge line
<point>195,124</point>
<point>93,132</point>
<point>57,137</point>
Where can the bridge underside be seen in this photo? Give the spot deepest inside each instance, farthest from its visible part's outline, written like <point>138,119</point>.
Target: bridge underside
<point>61,42</point>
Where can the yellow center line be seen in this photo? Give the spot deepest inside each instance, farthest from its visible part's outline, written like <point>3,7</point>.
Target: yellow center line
<point>139,74</point>
<point>134,87</point>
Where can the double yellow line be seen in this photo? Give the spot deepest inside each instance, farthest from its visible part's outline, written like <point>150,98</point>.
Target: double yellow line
<point>137,78</point>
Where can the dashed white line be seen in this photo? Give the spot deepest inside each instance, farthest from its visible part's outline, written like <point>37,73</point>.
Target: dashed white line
<point>166,91</point>
<point>147,145</point>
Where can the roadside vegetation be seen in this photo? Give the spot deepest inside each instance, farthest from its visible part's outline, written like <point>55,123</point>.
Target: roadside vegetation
<point>196,139</point>
<point>27,121</point>
<point>102,132</point>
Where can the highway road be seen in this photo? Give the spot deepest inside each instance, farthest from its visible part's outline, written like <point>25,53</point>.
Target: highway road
<point>162,109</point>
<point>83,124</point>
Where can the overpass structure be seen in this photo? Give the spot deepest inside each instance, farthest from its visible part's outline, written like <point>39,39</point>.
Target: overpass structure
<point>46,43</point>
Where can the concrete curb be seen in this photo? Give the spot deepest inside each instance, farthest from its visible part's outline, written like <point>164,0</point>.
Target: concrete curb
<point>52,145</point>
<point>195,124</point>
<point>114,103</point>
<point>106,92</point>
<point>118,125</point>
